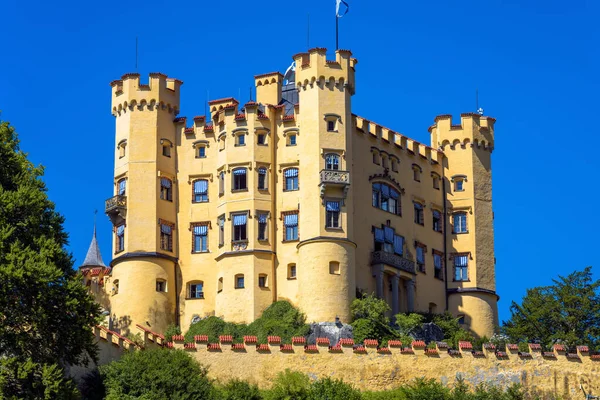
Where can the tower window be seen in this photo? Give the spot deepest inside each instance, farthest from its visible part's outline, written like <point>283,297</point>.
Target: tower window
<point>291,271</point>
<point>166,237</point>
<point>332,161</point>
<point>291,140</point>
<point>332,214</point>
<point>291,179</point>
<point>239,227</point>
<point>200,194</point>
<point>461,267</point>
<point>386,198</point>
<point>166,189</point>
<point>120,239</point>
<point>166,150</point>
<point>161,285</point>
<point>262,281</point>
<point>290,222</point>
<point>394,163</point>
<point>334,267</point>
<point>437,265</point>
<point>420,258</point>
<point>460,222</point>
<point>240,139</point>
<point>239,281</point>
<point>419,218</point>
<point>196,290</point>
<point>221,224</point>
<point>220,285</point>
<point>416,172</point>
<point>201,152</point>
<point>115,288</point>
<point>122,147</point>
<point>239,179</point>
<point>221,183</point>
<point>437,220</point>
<point>261,139</point>
<point>262,226</point>
<point>200,238</point>
<point>331,126</point>
<point>121,187</point>
<point>435,180</point>
<point>262,178</point>
<point>458,185</point>
<point>222,142</point>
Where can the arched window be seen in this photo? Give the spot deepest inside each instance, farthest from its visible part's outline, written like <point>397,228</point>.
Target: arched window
<point>332,161</point>
<point>122,147</point>
<point>291,179</point>
<point>262,178</point>
<point>435,180</point>
<point>115,288</point>
<point>240,181</point>
<point>376,157</point>
<point>166,189</point>
<point>200,194</point>
<point>386,198</point>
<point>122,187</point>
<point>166,147</point>
<point>195,290</point>
<point>460,222</point>
<point>239,281</point>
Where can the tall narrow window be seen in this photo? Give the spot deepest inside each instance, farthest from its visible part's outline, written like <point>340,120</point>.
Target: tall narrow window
<point>239,227</point>
<point>291,140</point>
<point>166,237</point>
<point>196,290</point>
<point>261,139</point>
<point>416,172</point>
<point>239,281</point>
<point>388,245</point>
<point>291,271</point>
<point>262,226</point>
<point>460,222</point>
<point>290,222</point>
<point>437,220</point>
<point>166,150</point>
<point>200,237</point>
<point>436,180</point>
<point>262,178</point>
<point>398,245</point>
<point>262,281</point>
<point>331,126</point>
<point>291,179</point>
<point>122,146</point>
<point>221,224</point>
<point>122,187</point>
<point>201,152</point>
<point>120,244</point>
<point>200,191</point>
<point>166,189</point>
<point>240,139</point>
<point>419,218</point>
<point>461,267</point>
<point>421,258</point>
<point>437,265</point>
<point>161,285</point>
<point>332,161</point>
<point>379,237</point>
<point>221,183</point>
<point>239,179</point>
<point>332,214</point>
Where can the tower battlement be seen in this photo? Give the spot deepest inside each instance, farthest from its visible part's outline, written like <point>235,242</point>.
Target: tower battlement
<point>474,130</point>
<point>160,90</point>
<point>313,66</point>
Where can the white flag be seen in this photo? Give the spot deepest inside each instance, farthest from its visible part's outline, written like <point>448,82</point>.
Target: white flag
<point>341,8</point>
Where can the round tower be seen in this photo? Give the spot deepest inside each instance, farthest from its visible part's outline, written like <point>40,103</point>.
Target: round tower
<point>143,208</point>
<point>470,261</point>
<point>326,249</point>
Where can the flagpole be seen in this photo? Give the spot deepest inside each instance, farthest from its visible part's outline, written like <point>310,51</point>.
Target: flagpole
<point>336,28</point>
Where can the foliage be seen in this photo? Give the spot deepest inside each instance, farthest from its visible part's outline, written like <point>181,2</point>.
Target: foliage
<point>289,385</point>
<point>333,389</point>
<point>567,311</point>
<point>171,331</point>
<point>279,319</point>
<point>426,389</point>
<point>136,338</point>
<point>453,331</point>
<point>46,313</point>
<point>369,320</point>
<point>156,374</point>
<point>239,390</point>
<point>92,386</point>
<point>407,322</point>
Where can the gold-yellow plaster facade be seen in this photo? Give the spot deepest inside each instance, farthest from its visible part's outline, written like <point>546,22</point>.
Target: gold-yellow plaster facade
<point>340,159</point>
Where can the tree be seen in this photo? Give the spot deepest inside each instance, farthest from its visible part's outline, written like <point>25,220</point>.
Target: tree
<point>156,374</point>
<point>567,312</point>
<point>333,389</point>
<point>46,313</point>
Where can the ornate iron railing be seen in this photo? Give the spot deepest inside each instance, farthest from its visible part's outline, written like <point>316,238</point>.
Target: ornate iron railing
<point>115,203</point>
<point>383,257</point>
<point>336,177</point>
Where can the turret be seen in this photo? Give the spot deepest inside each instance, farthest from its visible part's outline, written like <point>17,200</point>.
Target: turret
<point>470,233</point>
<point>94,271</point>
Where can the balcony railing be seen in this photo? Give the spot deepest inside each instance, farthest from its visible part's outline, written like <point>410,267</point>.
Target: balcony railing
<point>116,209</point>
<point>394,260</point>
<point>329,176</point>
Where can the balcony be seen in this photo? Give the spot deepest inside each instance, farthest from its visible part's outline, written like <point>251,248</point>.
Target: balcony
<point>334,178</point>
<point>394,260</point>
<point>116,209</point>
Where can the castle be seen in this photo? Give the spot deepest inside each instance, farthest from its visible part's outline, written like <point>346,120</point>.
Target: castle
<point>293,197</point>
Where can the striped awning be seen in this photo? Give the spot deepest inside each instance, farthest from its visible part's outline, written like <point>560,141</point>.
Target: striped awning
<point>120,230</point>
<point>332,206</point>
<point>379,236</point>
<point>165,182</point>
<point>262,218</point>
<point>166,229</point>
<point>290,220</point>
<point>201,230</point>
<point>239,171</point>
<point>239,219</point>
<point>290,172</point>
<point>201,186</point>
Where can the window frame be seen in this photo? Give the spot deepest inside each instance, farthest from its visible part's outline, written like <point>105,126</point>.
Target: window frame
<point>195,195</point>
<point>294,229</point>
<point>266,226</point>
<point>199,150</point>
<point>264,139</point>
<point>119,239</point>
<point>240,139</point>
<point>419,210</point>
<point>378,196</point>
<point>337,163</point>
<point>161,285</point>
<point>292,271</point>
<point>438,272</point>
<point>237,281</point>
<point>295,179</point>
<point>335,215</point>
<point>417,171</point>
<point>265,283</point>
<point>464,229</point>
<point>264,175</point>
<point>166,192</point>
<point>166,239</point>
<point>237,179</point>
<point>221,225</point>
<point>239,230</point>
<point>196,234</point>
<point>440,221</point>
<point>464,269</point>
<point>198,295</point>
<point>290,141</point>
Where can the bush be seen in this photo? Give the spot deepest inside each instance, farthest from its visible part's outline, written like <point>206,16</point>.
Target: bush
<point>406,322</point>
<point>289,385</point>
<point>453,331</point>
<point>426,389</point>
<point>330,389</point>
<point>239,390</point>
<point>171,331</point>
<point>371,308</point>
<point>156,374</point>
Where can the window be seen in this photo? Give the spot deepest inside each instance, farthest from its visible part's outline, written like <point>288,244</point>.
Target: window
<point>222,142</point>
<point>291,271</point>
<point>115,288</point>
<point>262,281</point>
<point>461,267</point>
<point>221,183</point>
<point>201,152</point>
<point>461,319</point>
<point>417,172</point>
<point>330,126</point>
<point>387,240</point>
<point>200,191</point>
<point>437,265</point>
<point>166,189</point>
<point>239,227</point>
<point>166,236</point>
<point>290,222</point>
<point>332,214</point>
<point>334,267</point>
<point>200,238</point>
<point>375,157</point>
<point>394,164</point>
<point>436,180</point>
<point>122,146</point>
<point>122,187</point>
<point>419,218</point>
<point>166,150</point>
<point>120,243</point>
<point>432,308</point>
<point>421,258</point>
<point>161,285</point>
<point>384,162</point>
<point>221,224</point>
<point>240,139</point>
<point>332,161</point>
<point>291,179</point>
<point>460,222</point>
<point>386,198</point>
<point>262,178</point>
<point>239,179</point>
<point>437,220</point>
<point>220,285</point>
<point>291,140</point>
<point>459,185</point>
<point>196,290</point>
<point>239,281</point>
<point>261,139</point>
<point>262,226</point>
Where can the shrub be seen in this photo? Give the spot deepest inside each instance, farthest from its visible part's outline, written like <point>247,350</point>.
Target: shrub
<point>239,390</point>
<point>371,308</point>
<point>426,389</point>
<point>330,389</point>
<point>406,322</point>
<point>395,394</point>
<point>279,319</point>
<point>171,331</point>
<point>289,385</point>
<point>453,331</point>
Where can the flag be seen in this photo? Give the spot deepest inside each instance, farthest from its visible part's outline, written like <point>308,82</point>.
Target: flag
<point>341,8</point>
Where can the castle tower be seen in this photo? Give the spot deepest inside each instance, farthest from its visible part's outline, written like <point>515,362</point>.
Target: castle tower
<point>470,261</point>
<point>94,270</point>
<point>145,253</point>
<point>326,255</point>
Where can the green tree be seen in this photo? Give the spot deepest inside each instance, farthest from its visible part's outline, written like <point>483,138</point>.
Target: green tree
<point>289,385</point>
<point>567,311</point>
<point>157,374</point>
<point>46,313</point>
<point>239,390</point>
<point>333,389</point>
<point>370,321</point>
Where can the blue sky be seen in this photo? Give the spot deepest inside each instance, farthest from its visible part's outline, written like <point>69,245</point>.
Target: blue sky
<point>535,64</point>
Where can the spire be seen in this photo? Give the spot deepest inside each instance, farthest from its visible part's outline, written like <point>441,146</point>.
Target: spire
<point>93,257</point>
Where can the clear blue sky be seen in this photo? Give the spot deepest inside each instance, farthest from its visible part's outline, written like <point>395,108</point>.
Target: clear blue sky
<point>535,64</point>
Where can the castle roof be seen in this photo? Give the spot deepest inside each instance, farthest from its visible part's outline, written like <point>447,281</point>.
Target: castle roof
<point>93,257</point>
